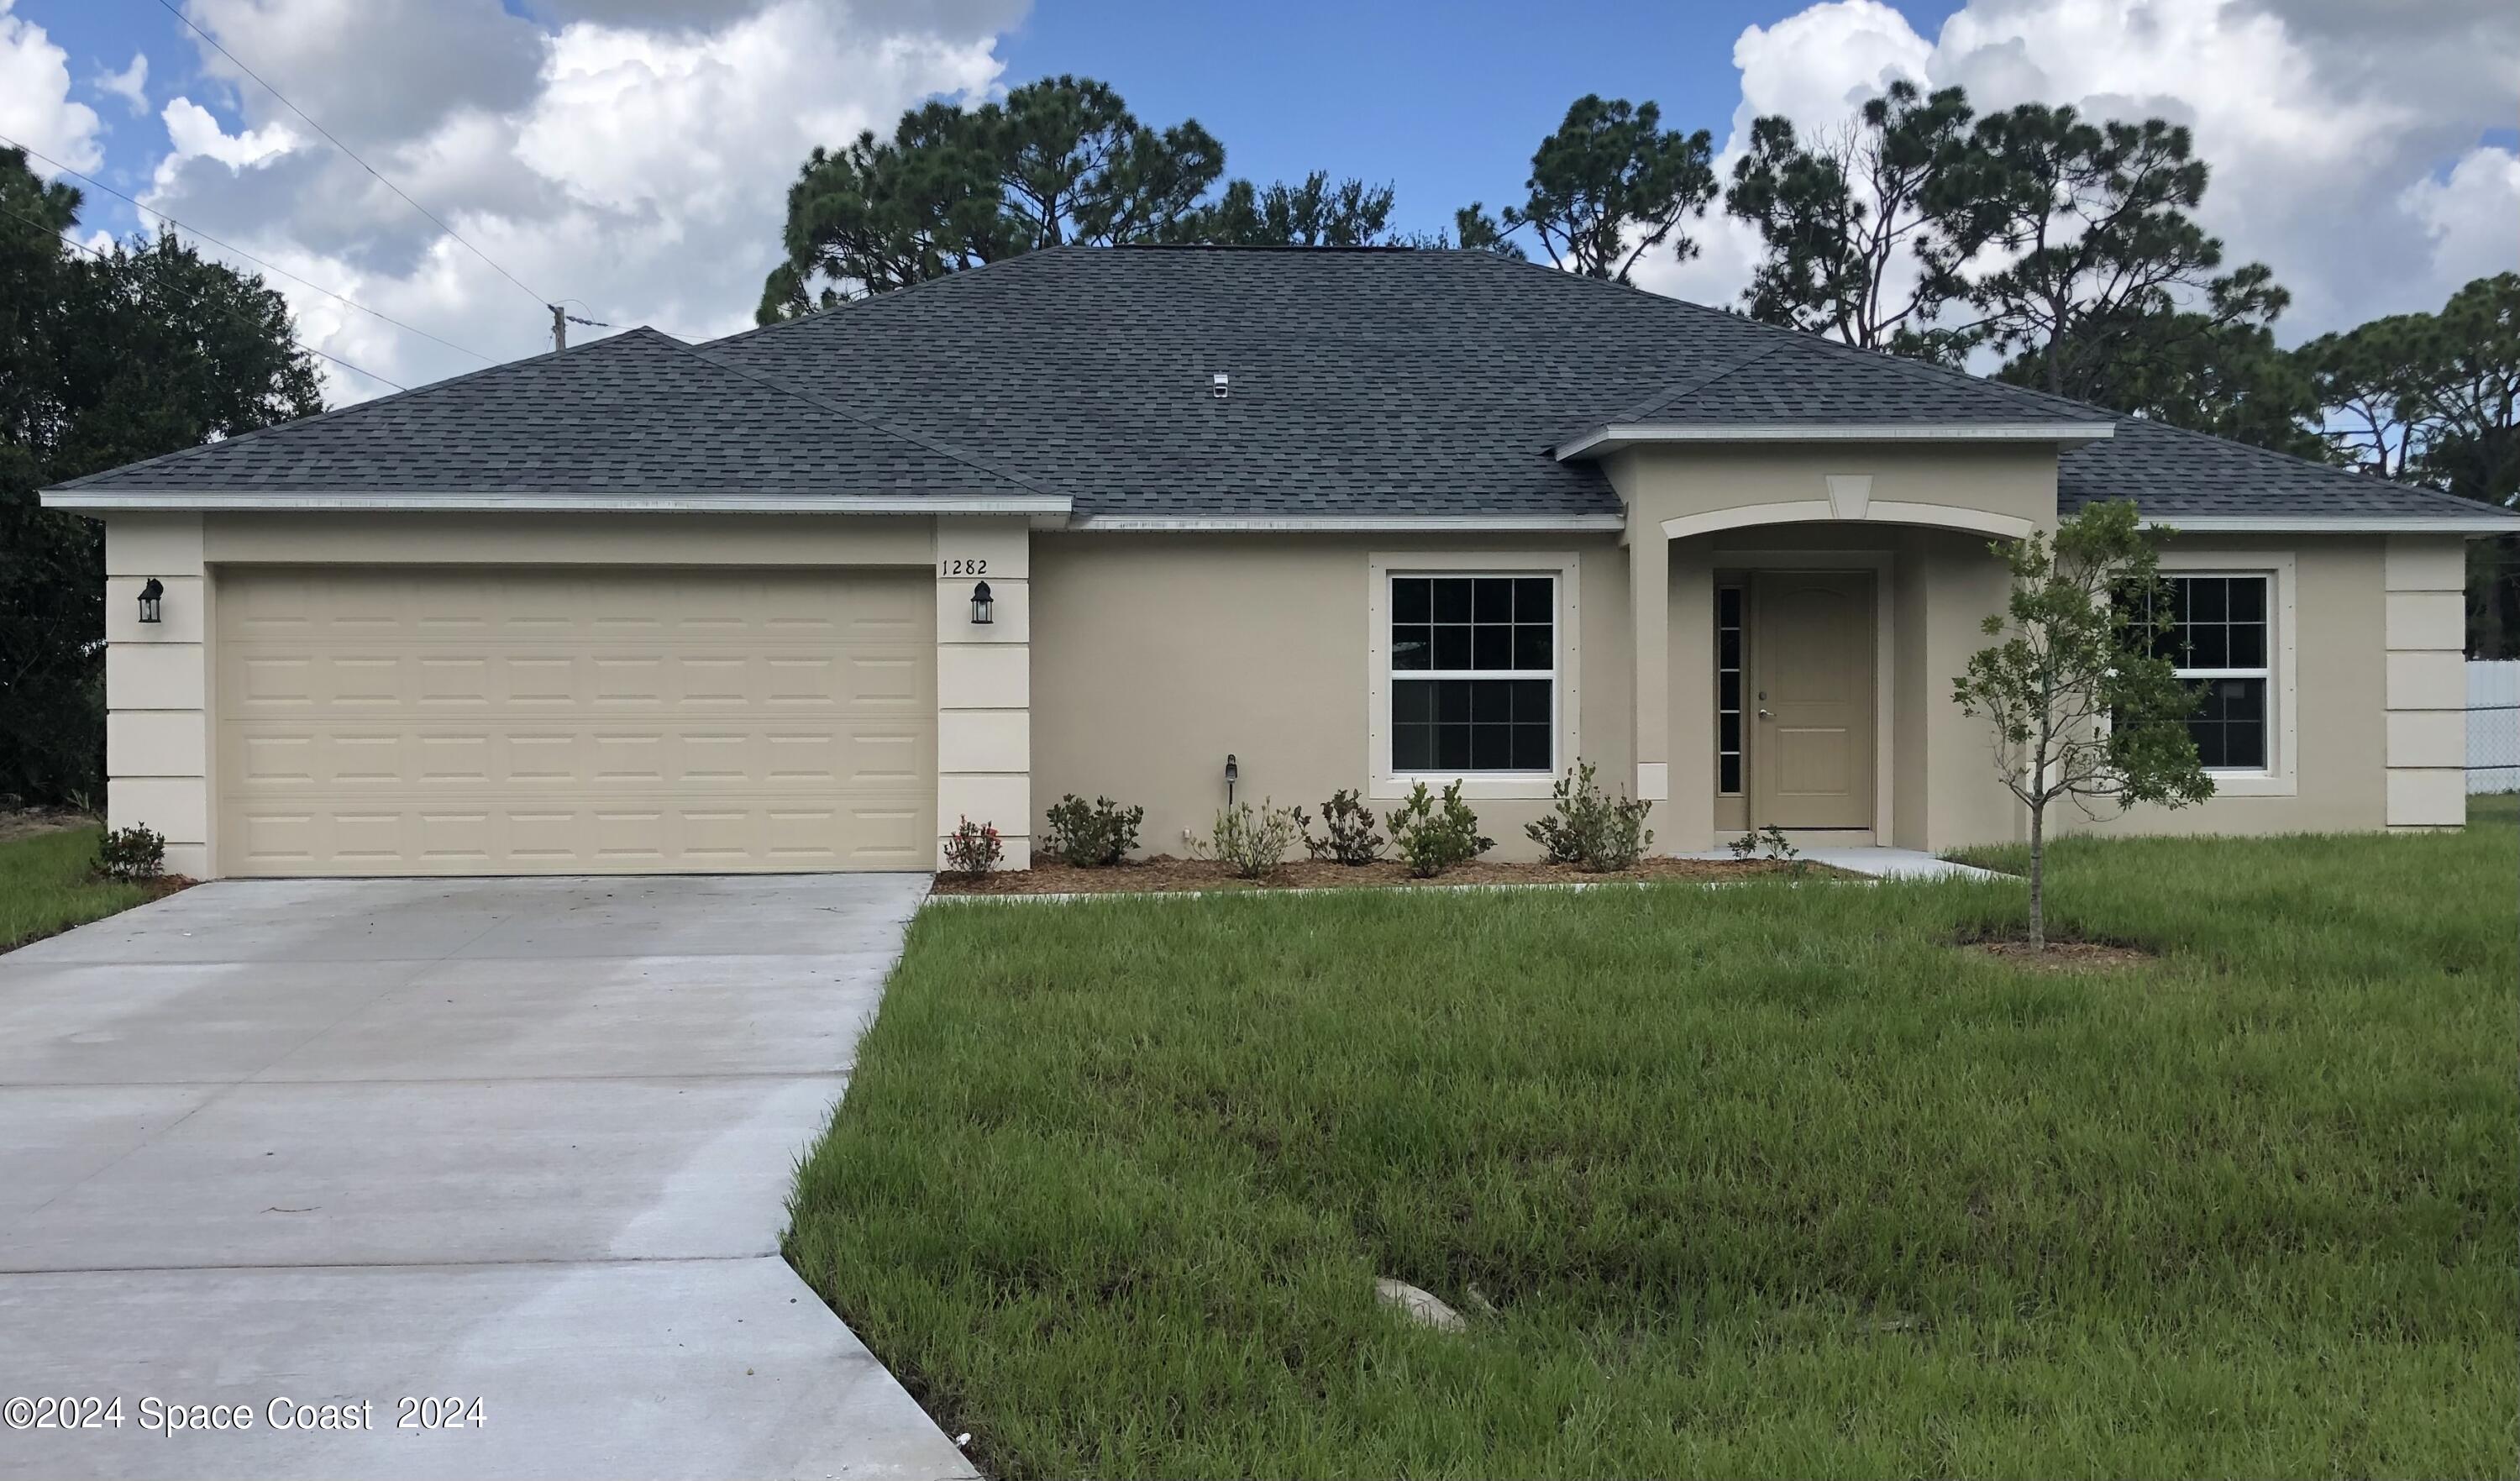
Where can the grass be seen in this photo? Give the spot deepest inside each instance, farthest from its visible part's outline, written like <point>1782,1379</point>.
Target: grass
<point>1760,1181</point>
<point>45,887</point>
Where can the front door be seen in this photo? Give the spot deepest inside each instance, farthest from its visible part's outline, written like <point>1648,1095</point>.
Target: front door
<point>1811,696</point>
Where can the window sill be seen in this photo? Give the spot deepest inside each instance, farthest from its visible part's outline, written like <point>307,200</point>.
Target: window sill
<point>1474,785</point>
<point>2252,783</point>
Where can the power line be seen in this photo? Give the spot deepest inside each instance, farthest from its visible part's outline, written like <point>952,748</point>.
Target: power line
<point>98,253</point>
<point>242,252</point>
<point>173,10</point>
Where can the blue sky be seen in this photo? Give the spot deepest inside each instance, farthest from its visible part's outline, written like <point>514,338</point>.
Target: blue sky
<point>633,154</point>
<point>1302,86</point>
<point>1288,87</point>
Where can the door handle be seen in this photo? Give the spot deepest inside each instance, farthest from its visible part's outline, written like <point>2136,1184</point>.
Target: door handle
<point>1762,714</point>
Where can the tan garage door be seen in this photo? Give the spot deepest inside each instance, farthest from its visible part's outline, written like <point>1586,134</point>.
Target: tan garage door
<point>591,720</point>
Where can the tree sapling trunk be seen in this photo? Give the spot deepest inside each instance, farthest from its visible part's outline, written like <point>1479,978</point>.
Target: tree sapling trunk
<point>2079,686</point>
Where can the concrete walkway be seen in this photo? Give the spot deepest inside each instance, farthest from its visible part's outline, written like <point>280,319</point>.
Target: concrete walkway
<point>339,1143</point>
<point>1880,863</point>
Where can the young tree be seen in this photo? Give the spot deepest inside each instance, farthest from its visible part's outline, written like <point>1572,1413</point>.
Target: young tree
<point>1853,249</point>
<point>1611,185</point>
<point>102,361</point>
<point>2083,697</point>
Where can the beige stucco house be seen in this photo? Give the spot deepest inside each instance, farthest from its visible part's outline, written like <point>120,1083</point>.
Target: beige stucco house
<point>1354,518</point>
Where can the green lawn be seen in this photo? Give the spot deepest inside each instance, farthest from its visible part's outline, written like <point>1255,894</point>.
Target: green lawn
<point>44,887</point>
<point>1761,1180</point>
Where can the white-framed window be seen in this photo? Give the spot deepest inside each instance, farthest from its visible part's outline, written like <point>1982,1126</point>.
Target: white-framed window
<point>1474,672</point>
<point>2223,645</point>
<point>2231,642</point>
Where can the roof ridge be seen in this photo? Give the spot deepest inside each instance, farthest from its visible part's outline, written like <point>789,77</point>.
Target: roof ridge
<point>331,412</point>
<point>1928,370</point>
<point>834,408</point>
<point>1788,335</point>
<point>816,316</point>
<point>1692,387</point>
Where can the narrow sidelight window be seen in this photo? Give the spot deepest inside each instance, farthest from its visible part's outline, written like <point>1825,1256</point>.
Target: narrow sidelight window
<point>1473,674</point>
<point>1728,691</point>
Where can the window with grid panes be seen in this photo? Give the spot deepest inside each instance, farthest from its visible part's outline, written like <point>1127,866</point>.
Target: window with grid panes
<point>1473,674</point>
<point>2222,645</point>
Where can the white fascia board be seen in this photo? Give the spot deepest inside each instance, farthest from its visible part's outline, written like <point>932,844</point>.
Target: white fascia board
<point>1360,524</point>
<point>1622,434</point>
<point>107,501</point>
<point>2348,524</point>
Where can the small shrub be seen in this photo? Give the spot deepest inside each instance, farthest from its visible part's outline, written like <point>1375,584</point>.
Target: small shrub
<point>1591,829</point>
<point>1348,836</point>
<point>1556,832</point>
<point>1254,842</point>
<point>1432,839</point>
<point>1619,836</point>
<point>131,854</point>
<point>1770,843</point>
<point>974,848</point>
<point>1092,834</point>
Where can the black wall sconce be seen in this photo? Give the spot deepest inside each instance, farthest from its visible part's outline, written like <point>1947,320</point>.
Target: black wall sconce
<point>1233,774</point>
<point>984,608</point>
<point>151,596</point>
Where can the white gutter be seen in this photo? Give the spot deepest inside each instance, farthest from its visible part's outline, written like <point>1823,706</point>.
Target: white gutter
<point>2349,525</point>
<point>1624,434</point>
<point>1359,523</point>
<point>108,501</point>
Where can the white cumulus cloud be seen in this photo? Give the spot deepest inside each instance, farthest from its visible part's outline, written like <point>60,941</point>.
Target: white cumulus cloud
<point>631,159</point>
<point>2345,145</point>
<point>35,106</point>
<point>131,84</point>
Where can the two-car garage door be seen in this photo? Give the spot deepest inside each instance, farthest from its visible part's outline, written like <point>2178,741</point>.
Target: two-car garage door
<point>577,720</point>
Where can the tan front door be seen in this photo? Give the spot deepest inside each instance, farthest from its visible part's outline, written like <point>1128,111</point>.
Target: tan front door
<point>1811,698</point>
<point>581,720</point>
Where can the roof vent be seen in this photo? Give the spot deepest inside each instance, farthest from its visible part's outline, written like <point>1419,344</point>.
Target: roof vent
<point>1218,383</point>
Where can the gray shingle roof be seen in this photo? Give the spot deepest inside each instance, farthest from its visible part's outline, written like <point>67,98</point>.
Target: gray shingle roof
<point>639,413</point>
<point>2171,472</point>
<point>1362,382</point>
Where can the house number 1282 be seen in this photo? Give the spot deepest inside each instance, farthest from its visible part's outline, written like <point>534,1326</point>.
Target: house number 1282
<point>961,568</point>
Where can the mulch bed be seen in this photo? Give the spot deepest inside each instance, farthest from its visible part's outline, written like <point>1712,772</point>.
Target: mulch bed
<point>1164,874</point>
<point>2067,956</point>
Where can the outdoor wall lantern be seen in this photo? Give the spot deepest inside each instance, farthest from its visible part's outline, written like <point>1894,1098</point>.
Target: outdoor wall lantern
<point>983,609</point>
<point>1233,774</point>
<point>150,595</point>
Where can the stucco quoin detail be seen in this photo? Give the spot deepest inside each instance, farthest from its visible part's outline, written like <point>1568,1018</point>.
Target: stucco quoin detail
<point>984,682</point>
<point>2425,627</point>
<point>157,687</point>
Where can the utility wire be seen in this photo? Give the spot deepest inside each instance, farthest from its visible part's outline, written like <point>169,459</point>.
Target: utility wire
<point>175,11</point>
<point>67,241</point>
<point>242,252</point>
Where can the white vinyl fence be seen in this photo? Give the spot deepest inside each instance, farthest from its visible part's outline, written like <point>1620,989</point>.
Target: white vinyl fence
<point>2494,725</point>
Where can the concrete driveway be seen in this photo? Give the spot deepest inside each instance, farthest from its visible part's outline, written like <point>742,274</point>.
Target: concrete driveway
<point>349,1142</point>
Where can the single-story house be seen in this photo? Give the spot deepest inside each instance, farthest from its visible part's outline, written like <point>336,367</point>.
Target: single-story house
<point>1097,520</point>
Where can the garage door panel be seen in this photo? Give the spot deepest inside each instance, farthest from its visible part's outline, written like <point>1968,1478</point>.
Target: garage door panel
<point>624,721</point>
<point>628,837</point>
